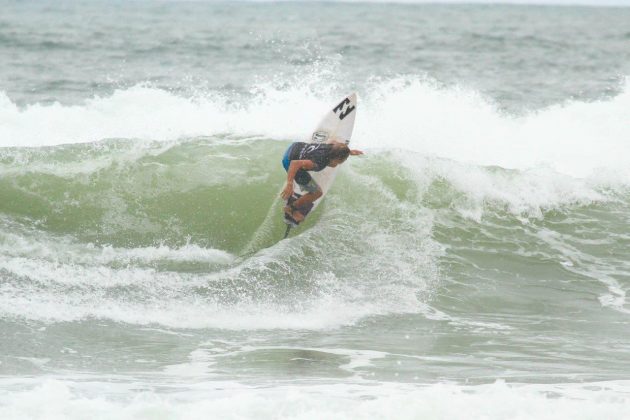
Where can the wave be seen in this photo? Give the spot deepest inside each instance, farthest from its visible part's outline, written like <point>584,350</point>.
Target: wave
<point>178,235</point>
<point>148,193</point>
<point>409,113</point>
<point>185,234</point>
<point>177,220</point>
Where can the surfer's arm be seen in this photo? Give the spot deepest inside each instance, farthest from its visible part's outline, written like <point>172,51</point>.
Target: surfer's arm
<point>294,167</point>
<point>355,152</point>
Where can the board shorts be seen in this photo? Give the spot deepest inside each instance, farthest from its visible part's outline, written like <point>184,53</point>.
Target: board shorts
<point>302,177</point>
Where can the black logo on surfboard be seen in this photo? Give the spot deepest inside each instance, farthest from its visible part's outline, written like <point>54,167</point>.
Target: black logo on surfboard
<point>343,113</point>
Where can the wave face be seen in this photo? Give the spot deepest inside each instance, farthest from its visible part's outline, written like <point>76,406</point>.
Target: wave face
<point>478,252</point>
<point>171,224</point>
<point>145,228</point>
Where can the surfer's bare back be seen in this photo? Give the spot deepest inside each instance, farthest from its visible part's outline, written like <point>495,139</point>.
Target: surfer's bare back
<point>303,157</point>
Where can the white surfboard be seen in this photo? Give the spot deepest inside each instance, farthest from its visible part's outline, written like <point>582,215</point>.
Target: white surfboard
<point>336,126</point>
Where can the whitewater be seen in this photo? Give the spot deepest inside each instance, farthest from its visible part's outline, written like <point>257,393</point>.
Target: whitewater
<point>474,264</point>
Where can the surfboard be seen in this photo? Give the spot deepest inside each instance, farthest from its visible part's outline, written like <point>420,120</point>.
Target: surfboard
<point>336,126</point>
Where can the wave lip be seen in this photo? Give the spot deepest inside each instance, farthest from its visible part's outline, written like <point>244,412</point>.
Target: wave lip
<point>408,113</point>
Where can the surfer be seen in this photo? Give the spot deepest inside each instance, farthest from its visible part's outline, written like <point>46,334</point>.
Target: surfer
<point>303,157</point>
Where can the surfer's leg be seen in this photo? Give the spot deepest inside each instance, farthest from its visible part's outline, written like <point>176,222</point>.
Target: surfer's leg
<point>307,199</point>
<point>314,192</point>
<point>293,209</point>
<point>294,213</point>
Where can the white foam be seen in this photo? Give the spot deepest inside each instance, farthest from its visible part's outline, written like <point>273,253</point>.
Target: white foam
<point>144,112</point>
<point>56,284</point>
<point>528,193</point>
<point>415,114</point>
<point>573,138</point>
<point>59,280</point>
<point>33,244</point>
<point>53,399</point>
<point>175,308</point>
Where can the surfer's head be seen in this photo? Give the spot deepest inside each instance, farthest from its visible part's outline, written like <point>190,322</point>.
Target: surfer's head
<point>338,154</point>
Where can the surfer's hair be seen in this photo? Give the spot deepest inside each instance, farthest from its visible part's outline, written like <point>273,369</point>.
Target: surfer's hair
<point>339,151</point>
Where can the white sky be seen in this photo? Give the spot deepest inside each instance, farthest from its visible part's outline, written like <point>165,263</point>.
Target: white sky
<point>557,2</point>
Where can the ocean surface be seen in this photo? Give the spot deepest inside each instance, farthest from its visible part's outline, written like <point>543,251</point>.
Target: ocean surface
<point>474,264</point>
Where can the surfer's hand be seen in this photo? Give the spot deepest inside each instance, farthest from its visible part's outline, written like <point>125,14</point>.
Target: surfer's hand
<point>356,152</point>
<point>288,191</point>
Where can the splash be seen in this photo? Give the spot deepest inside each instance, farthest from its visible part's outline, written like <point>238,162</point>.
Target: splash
<point>408,113</point>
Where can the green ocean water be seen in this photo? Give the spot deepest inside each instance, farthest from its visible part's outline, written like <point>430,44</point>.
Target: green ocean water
<point>478,253</point>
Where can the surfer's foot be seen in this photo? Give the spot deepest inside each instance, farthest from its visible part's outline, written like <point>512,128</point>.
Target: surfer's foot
<point>295,214</point>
